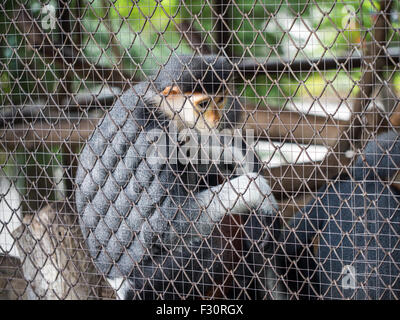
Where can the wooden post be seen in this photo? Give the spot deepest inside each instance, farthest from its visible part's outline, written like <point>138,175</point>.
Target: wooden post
<point>12,283</point>
<point>54,258</point>
<point>223,28</point>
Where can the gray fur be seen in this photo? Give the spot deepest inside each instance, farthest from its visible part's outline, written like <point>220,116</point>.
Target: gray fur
<point>142,221</point>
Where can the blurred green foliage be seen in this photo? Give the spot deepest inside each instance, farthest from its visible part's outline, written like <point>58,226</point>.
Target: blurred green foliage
<point>146,31</point>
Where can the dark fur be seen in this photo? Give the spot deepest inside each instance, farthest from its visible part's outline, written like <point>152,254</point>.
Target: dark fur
<point>359,224</point>
<point>208,74</point>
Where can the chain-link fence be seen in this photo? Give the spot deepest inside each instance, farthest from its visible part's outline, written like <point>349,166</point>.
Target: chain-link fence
<point>199,149</point>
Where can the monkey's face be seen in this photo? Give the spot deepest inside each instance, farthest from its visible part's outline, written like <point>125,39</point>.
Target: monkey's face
<point>193,110</point>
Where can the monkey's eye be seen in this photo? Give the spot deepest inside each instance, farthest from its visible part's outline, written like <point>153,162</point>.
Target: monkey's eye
<point>203,105</point>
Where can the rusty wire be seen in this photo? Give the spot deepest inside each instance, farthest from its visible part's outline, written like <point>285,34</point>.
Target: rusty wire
<point>58,83</point>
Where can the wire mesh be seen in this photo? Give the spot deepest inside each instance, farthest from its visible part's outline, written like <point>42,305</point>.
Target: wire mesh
<point>199,149</point>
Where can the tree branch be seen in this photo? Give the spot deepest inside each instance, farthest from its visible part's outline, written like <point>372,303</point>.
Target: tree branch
<point>66,57</point>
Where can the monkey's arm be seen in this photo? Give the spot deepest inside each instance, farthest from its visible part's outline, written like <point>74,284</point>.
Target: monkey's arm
<point>207,238</point>
<point>237,196</point>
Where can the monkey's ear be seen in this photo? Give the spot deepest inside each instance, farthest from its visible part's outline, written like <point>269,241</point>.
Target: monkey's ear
<point>171,90</point>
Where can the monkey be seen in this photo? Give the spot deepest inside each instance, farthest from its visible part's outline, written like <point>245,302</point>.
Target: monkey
<point>151,228</point>
<point>358,226</point>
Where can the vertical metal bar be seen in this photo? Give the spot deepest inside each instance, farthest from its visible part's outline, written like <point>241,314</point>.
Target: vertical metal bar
<point>223,26</point>
<point>63,16</point>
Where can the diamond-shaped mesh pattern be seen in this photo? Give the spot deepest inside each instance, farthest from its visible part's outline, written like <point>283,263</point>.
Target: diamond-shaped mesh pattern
<point>199,149</point>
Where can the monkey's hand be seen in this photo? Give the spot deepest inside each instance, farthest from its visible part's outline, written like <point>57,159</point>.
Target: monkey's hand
<point>239,195</point>
<point>245,194</point>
